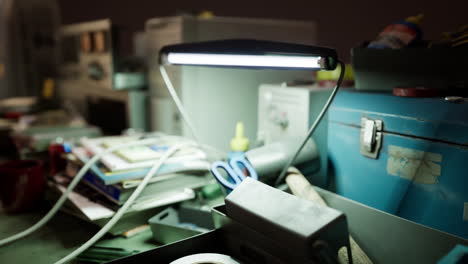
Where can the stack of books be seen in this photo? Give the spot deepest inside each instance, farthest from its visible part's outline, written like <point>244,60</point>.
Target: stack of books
<point>107,185</point>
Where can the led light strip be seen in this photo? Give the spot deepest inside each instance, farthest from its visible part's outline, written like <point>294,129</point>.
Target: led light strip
<point>308,62</point>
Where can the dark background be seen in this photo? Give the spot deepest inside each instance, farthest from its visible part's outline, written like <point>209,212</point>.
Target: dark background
<point>341,24</point>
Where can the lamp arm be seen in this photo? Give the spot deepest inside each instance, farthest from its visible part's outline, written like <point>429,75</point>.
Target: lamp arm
<point>314,125</point>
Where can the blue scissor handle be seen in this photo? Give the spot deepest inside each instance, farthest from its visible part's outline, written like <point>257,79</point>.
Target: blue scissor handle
<point>241,160</point>
<point>220,178</point>
<point>233,170</point>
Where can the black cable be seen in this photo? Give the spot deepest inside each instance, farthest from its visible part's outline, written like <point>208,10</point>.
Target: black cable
<point>282,176</point>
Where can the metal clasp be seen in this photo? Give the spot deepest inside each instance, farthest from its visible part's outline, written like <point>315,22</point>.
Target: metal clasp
<point>371,137</point>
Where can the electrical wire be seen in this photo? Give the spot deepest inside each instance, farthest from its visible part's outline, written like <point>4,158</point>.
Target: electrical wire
<point>314,125</point>
<point>171,151</point>
<point>70,188</point>
<point>178,103</point>
<point>185,115</point>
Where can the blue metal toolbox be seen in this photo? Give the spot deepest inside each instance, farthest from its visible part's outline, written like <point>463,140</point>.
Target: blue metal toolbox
<point>405,156</point>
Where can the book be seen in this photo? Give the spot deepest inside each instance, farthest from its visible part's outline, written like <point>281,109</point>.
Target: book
<point>119,193</point>
<point>82,206</point>
<point>89,209</point>
<point>134,157</point>
<point>108,177</point>
<point>128,221</point>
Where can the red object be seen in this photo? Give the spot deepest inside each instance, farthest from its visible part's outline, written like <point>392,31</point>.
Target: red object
<point>22,184</point>
<point>415,92</point>
<point>12,115</point>
<point>57,163</point>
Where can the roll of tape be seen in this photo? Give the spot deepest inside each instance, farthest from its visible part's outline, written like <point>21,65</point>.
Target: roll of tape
<point>205,258</point>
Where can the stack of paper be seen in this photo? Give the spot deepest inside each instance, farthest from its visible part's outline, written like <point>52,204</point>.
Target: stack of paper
<point>111,181</point>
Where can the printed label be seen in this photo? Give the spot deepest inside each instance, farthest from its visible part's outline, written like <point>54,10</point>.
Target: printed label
<point>414,165</point>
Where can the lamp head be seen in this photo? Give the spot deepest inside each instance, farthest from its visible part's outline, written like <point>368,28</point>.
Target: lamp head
<point>248,53</point>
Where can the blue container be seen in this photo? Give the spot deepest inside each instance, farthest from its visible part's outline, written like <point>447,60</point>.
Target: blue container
<point>417,165</point>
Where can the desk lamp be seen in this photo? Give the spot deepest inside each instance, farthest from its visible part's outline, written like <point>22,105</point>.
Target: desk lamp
<point>257,54</point>
<point>248,53</point>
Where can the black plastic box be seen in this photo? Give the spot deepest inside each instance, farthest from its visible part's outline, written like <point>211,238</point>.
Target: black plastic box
<point>384,69</point>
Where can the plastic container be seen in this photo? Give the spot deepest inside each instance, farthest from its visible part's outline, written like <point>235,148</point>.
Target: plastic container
<point>171,225</point>
<point>22,184</point>
<point>400,34</point>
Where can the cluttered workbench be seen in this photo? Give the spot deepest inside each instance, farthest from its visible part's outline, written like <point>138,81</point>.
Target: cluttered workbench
<point>139,235</point>
<point>334,177</point>
<point>65,233</point>
<point>49,168</point>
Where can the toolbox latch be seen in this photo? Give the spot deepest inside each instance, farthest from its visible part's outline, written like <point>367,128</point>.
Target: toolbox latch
<point>371,137</point>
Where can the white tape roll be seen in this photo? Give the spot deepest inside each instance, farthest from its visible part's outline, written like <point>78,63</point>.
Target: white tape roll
<point>206,258</point>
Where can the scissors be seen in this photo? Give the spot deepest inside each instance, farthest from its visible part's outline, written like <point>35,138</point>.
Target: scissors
<point>234,170</point>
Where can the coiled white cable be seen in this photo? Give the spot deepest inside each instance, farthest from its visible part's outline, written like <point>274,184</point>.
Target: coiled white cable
<point>127,204</point>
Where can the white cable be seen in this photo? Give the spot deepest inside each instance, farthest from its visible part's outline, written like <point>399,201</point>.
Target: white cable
<point>70,188</point>
<point>185,116</point>
<point>127,204</point>
<point>178,103</point>
<point>220,154</point>
<point>282,175</point>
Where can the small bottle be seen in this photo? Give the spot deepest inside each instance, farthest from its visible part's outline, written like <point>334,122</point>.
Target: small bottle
<point>399,34</point>
<point>48,98</point>
<point>239,143</point>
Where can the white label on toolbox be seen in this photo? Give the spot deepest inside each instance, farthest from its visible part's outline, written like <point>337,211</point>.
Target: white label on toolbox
<point>414,165</point>
<point>465,212</point>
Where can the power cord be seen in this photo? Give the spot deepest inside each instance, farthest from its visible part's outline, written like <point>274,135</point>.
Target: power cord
<point>171,151</point>
<point>183,112</point>
<point>178,103</point>
<point>283,173</point>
